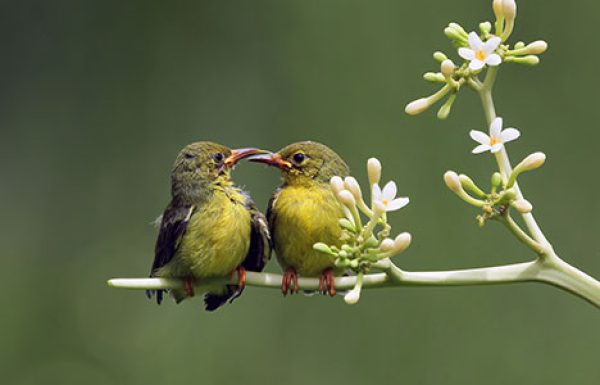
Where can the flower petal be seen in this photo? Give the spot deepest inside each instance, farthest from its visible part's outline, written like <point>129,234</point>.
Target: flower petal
<point>475,42</point>
<point>376,192</point>
<point>493,60</point>
<point>389,191</point>
<point>476,65</point>
<point>496,147</point>
<point>491,45</point>
<point>466,53</point>
<point>481,148</point>
<point>480,137</point>
<point>509,134</point>
<point>496,127</point>
<point>397,204</point>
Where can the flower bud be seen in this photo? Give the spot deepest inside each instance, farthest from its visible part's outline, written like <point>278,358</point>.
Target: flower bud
<point>468,184</point>
<point>528,60</point>
<point>347,198</point>
<point>374,170</point>
<point>387,245</point>
<point>337,184</point>
<point>352,186</point>
<point>453,181</point>
<point>346,224</point>
<point>447,68</point>
<point>459,29</point>
<point>522,205</point>
<point>531,162</point>
<point>402,242</point>
<point>352,297</point>
<point>509,9</point>
<point>519,45</point>
<point>498,8</point>
<point>536,48</point>
<point>434,77</point>
<point>496,180</point>
<point>439,56</point>
<point>485,27</point>
<point>445,109</point>
<point>323,248</point>
<point>417,106</point>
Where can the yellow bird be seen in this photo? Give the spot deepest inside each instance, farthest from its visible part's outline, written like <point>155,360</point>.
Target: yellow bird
<point>304,211</point>
<point>211,227</point>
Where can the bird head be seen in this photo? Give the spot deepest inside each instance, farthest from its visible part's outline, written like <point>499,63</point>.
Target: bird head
<point>201,165</point>
<point>305,163</point>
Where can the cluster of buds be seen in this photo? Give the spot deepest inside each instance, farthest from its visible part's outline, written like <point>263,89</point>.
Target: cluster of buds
<point>479,50</point>
<point>365,245</point>
<point>502,196</point>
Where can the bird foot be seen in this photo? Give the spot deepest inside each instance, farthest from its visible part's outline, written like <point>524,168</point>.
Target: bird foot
<point>241,275</point>
<point>326,282</point>
<point>188,286</point>
<point>289,281</point>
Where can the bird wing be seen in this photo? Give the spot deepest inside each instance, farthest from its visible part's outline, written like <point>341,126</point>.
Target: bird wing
<point>172,227</point>
<point>260,240</point>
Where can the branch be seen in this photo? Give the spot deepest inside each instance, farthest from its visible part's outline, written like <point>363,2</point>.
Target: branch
<point>556,273</point>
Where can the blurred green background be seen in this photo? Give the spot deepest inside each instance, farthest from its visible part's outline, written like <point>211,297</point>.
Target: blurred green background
<point>98,97</point>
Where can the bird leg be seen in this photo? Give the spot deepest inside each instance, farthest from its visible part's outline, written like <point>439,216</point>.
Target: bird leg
<point>326,282</point>
<point>188,286</point>
<point>290,278</point>
<point>241,274</point>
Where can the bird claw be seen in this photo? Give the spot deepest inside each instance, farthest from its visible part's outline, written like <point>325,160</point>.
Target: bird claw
<point>188,286</point>
<point>241,274</point>
<point>289,281</point>
<point>326,282</point>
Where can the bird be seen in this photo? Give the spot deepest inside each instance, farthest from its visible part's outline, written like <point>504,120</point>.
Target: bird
<point>303,211</point>
<point>211,227</point>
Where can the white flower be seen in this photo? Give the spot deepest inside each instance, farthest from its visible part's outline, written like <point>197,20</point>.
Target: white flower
<point>496,139</point>
<point>386,199</point>
<point>480,53</point>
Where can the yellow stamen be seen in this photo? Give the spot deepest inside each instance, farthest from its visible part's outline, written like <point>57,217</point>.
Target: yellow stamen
<point>494,140</point>
<point>480,55</point>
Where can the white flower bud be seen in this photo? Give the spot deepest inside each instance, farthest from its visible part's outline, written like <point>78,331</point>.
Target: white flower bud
<point>498,8</point>
<point>337,184</point>
<point>374,170</point>
<point>523,206</point>
<point>536,48</point>
<point>352,297</point>
<point>417,106</point>
<point>509,8</point>
<point>353,186</point>
<point>387,245</point>
<point>447,67</point>
<point>347,198</point>
<point>453,181</point>
<point>402,242</point>
<point>531,162</point>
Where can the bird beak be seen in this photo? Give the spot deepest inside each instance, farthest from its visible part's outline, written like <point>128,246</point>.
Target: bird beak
<point>273,159</point>
<point>241,153</point>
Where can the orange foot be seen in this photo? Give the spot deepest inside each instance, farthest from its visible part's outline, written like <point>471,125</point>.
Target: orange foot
<point>326,282</point>
<point>290,278</point>
<point>241,274</point>
<point>188,285</point>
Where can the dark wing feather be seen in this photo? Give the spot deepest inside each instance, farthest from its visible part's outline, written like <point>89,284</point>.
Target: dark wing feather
<point>172,227</point>
<point>256,259</point>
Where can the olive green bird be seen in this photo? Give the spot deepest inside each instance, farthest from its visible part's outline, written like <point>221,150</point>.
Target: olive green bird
<point>211,228</point>
<point>304,211</point>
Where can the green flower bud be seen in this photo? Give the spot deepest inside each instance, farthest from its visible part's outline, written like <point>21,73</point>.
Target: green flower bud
<point>439,56</point>
<point>343,254</point>
<point>468,184</point>
<point>519,45</point>
<point>323,248</point>
<point>445,109</point>
<point>528,60</point>
<point>346,224</point>
<point>371,242</point>
<point>434,77</point>
<point>496,180</point>
<point>485,27</point>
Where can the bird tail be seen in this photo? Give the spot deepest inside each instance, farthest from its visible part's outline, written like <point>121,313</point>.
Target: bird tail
<point>212,301</point>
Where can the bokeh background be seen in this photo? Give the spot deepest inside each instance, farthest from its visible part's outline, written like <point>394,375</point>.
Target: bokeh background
<point>97,98</point>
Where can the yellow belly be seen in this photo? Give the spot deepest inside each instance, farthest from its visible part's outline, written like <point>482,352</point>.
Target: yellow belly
<point>303,216</point>
<point>217,238</point>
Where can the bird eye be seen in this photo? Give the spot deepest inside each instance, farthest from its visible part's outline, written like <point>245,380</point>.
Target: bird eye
<point>299,157</point>
<point>218,157</point>
<point>189,156</point>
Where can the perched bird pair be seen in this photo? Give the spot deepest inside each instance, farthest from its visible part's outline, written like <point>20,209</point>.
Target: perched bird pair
<point>212,228</point>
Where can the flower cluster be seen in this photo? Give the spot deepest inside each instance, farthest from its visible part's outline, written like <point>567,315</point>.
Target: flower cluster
<point>479,50</point>
<point>365,245</point>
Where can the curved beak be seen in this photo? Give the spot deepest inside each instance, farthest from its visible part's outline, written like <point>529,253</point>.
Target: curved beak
<point>272,159</point>
<point>241,153</point>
